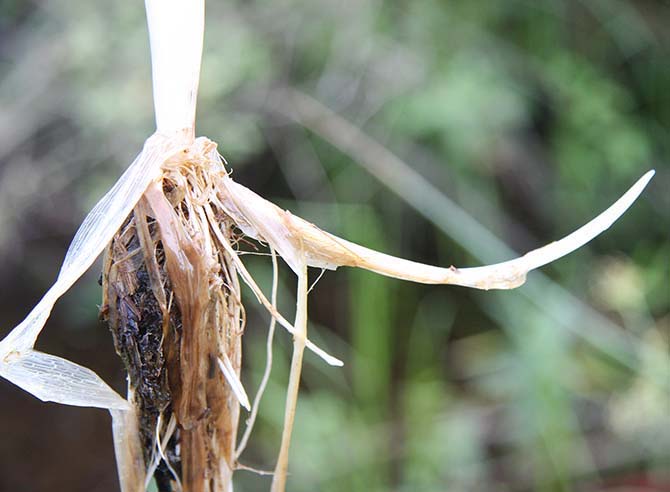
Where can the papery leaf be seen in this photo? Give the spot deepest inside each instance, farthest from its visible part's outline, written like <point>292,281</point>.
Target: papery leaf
<point>38,373</point>
<point>93,235</point>
<point>299,241</point>
<point>52,378</point>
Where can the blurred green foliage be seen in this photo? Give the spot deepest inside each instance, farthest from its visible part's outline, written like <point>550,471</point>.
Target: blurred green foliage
<point>532,115</point>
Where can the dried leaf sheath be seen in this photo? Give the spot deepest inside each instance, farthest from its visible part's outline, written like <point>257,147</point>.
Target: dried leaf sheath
<point>173,305</point>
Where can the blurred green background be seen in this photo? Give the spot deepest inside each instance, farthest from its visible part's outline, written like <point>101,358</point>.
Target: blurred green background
<point>522,119</point>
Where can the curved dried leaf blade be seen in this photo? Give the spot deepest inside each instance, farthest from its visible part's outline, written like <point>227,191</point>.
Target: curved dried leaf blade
<point>300,241</point>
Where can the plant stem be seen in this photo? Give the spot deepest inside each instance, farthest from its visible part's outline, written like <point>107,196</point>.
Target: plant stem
<point>279,479</point>
<point>176,31</point>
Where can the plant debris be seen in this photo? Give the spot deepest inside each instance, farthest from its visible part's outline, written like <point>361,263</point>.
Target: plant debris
<point>171,298</point>
<point>171,288</point>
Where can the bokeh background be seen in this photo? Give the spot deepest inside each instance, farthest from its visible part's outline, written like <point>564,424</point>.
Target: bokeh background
<point>511,124</point>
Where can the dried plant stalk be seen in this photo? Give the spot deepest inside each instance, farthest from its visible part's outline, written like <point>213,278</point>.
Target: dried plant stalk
<point>172,270</point>
<point>171,297</point>
<point>171,291</point>
<point>281,469</point>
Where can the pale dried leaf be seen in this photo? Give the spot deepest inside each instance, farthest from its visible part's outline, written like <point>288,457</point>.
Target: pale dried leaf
<point>52,378</point>
<point>37,374</point>
<point>93,235</point>
<point>299,241</point>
